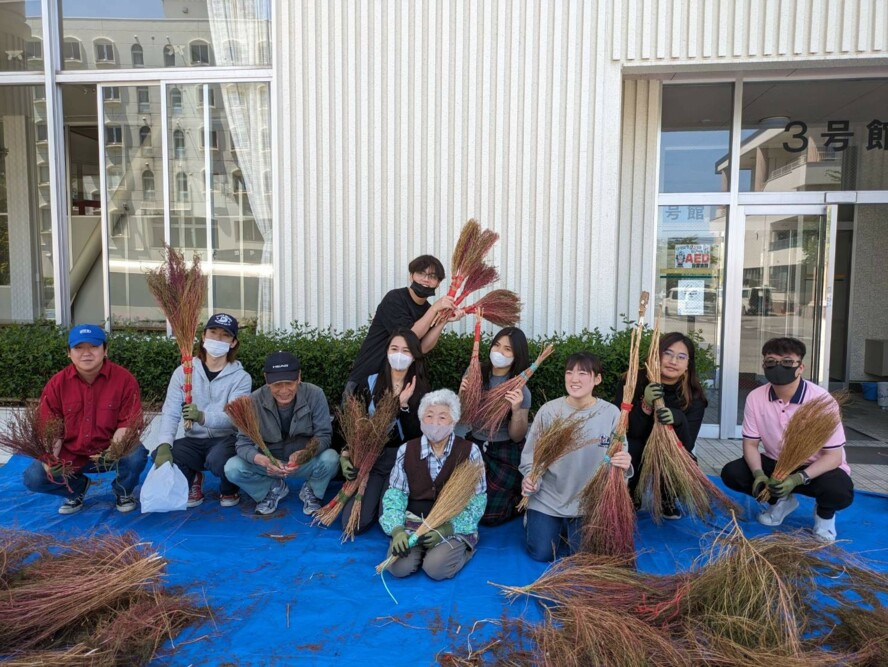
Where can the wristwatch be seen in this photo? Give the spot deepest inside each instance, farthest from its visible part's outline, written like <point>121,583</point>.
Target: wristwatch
<point>805,476</point>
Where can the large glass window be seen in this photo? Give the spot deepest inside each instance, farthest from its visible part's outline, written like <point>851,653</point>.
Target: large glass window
<point>828,134</point>
<point>26,255</point>
<point>696,138</point>
<point>167,34</point>
<point>21,28</point>
<point>690,280</point>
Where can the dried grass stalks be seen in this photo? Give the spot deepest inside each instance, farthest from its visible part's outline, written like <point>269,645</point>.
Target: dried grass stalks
<point>561,437</point>
<point>131,439</point>
<point>243,415</point>
<point>500,306</point>
<point>470,393</point>
<point>29,434</point>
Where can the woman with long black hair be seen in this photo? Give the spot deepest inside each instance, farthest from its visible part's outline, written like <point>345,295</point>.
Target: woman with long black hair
<point>402,373</point>
<point>684,405</point>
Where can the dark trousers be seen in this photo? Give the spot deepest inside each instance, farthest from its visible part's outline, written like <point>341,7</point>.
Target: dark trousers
<point>636,449</point>
<point>832,491</point>
<point>192,455</point>
<point>550,537</point>
<point>501,461</point>
<point>128,470</point>
<point>377,484</point>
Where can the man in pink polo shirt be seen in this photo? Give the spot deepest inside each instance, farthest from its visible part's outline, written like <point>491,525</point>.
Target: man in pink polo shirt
<point>824,477</point>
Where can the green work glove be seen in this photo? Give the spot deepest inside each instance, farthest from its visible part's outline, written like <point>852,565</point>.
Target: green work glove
<point>437,535</point>
<point>400,541</point>
<point>653,392</point>
<point>665,416</point>
<point>782,489</point>
<point>104,464</point>
<point>761,481</point>
<point>192,413</point>
<point>163,454</point>
<point>348,470</point>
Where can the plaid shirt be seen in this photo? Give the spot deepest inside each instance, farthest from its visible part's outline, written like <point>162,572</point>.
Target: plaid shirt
<point>398,478</point>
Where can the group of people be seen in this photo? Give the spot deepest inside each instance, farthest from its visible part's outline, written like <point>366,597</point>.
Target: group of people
<point>97,400</point>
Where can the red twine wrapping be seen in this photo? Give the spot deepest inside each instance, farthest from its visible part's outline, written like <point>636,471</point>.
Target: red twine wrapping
<point>626,406</point>
<point>187,357</point>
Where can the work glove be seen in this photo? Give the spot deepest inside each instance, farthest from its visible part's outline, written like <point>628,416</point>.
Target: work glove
<point>761,481</point>
<point>653,392</point>
<point>191,412</point>
<point>437,535</point>
<point>400,541</point>
<point>103,463</point>
<point>163,454</point>
<point>782,489</point>
<point>665,416</point>
<point>348,470</point>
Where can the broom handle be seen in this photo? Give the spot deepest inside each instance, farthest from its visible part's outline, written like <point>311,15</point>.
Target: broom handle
<point>186,366</point>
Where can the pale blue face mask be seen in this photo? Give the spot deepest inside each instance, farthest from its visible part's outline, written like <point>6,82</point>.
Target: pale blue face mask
<point>216,348</point>
<point>499,360</point>
<point>400,361</point>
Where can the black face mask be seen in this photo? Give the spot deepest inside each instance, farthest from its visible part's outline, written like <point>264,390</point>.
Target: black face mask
<point>422,291</point>
<point>780,376</point>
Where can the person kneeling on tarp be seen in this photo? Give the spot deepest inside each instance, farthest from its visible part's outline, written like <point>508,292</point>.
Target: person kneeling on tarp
<point>291,413</point>
<point>824,477</point>
<point>422,468</point>
<point>96,399</point>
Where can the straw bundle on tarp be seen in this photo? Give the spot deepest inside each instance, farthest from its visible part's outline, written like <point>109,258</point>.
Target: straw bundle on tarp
<point>129,442</point>
<point>28,433</point>
<point>494,406</point>
<point>473,384</point>
<point>808,430</point>
<point>500,306</point>
<point>180,291</point>
<point>365,436</point>
<point>559,438</point>
<point>863,632</point>
<point>667,470</point>
<point>452,500</point>
<point>605,503</point>
<point>243,415</point>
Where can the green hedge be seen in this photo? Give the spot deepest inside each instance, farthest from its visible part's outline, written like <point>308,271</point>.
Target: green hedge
<point>30,354</point>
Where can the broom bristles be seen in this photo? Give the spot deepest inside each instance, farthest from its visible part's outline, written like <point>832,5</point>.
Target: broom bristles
<point>470,393</point>
<point>481,277</point>
<point>500,306</point>
<point>131,439</point>
<point>468,236</point>
<point>242,413</point>
<point>556,440</point>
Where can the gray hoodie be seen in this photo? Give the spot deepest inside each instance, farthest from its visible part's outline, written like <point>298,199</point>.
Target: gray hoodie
<point>209,397</point>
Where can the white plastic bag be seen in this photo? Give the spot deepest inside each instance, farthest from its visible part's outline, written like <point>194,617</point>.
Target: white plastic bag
<point>165,490</point>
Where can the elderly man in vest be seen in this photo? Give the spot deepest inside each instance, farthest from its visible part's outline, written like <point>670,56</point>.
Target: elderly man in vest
<point>421,470</point>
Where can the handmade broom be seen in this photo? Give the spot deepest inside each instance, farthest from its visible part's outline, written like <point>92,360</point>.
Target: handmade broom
<point>30,434</point>
<point>494,406</point>
<point>555,440</point>
<point>243,415</point>
<point>809,428</point>
<point>179,291</point>
<point>129,442</point>
<point>609,524</point>
<point>666,467</point>
<point>452,500</point>
<point>500,306</point>
<point>472,387</point>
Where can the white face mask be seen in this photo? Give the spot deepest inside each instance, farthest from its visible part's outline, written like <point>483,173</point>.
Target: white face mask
<point>499,360</point>
<point>436,432</point>
<point>216,348</point>
<point>400,361</point>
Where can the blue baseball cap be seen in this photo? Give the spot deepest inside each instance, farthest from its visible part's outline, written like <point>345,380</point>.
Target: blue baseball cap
<point>223,321</point>
<point>86,333</point>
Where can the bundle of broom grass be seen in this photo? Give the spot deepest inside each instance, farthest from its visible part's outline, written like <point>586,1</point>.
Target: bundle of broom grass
<point>94,600</point>
<point>494,406</point>
<point>667,470</point>
<point>242,413</point>
<point>605,503</point>
<point>179,291</point>
<point>30,434</point>
<point>809,428</point>
<point>129,442</point>
<point>555,440</point>
<point>365,437</point>
<point>473,385</point>
<point>500,306</point>
<point>453,499</point>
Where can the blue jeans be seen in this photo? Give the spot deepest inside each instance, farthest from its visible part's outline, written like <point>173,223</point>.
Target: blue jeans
<point>549,537</point>
<point>129,470</point>
<point>257,483</point>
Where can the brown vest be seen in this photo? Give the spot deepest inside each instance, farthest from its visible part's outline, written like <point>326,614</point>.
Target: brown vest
<point>424,491</point>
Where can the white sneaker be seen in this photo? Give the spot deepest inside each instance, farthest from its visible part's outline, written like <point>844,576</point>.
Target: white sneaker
<point>775,514</point>
<point>825,529</point>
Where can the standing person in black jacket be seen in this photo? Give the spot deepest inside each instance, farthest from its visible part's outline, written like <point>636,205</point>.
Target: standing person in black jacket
<point>685,403</point>
<point>403,372</point>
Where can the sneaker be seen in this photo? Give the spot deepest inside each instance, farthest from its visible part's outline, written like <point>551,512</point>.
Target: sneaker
<point>775,514</point>
<point>195,493</point>
<point>277,493</point>
<point>126,503</point>
<point>310,502</point>
<point>671,512</point>
<point>229,500</point>
<point>825,529</point>
<point>75,504</point>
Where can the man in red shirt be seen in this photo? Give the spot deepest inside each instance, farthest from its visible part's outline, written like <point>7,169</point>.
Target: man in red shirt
<point>96,398</point>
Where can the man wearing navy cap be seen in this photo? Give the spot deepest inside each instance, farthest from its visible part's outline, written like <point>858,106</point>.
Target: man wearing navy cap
<point>96,399</point>
<point>291,413</point>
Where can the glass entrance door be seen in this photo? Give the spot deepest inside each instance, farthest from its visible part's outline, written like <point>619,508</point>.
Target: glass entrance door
<point>786,288</point>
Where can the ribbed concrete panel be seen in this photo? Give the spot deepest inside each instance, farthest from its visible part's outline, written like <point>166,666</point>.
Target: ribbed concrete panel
<point>714,30</point>
<point>405,119</point>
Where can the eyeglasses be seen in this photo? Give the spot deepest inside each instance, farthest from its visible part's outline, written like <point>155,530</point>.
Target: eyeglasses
<point>786,363</point>
<point>681,356</point>
<point>429,276</point>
